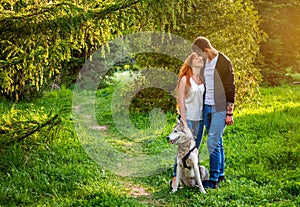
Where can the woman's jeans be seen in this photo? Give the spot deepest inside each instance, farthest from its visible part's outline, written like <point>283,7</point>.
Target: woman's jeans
<point>215,124</point>
<point>197,130</point>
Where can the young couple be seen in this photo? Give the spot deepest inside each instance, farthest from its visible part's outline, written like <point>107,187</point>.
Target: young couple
<point>206,93</point>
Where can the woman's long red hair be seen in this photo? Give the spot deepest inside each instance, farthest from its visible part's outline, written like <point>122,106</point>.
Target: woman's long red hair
<point>186,70</point>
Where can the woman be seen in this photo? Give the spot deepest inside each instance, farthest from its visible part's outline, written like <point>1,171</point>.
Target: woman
<point>190,90</point>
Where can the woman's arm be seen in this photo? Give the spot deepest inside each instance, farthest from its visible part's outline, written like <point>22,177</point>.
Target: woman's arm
<point>181,97</point>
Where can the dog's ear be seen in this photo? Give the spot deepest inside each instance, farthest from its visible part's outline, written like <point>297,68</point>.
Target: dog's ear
<point>178,119</point>
<point>181,122</point>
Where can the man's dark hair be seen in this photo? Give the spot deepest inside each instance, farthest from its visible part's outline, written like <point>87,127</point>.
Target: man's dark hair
<point>201,43</point>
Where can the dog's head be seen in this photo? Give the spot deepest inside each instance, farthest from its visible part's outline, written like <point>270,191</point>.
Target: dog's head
<point>180,134</point>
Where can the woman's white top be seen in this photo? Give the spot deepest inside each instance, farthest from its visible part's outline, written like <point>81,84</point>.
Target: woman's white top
<point>194,102</point>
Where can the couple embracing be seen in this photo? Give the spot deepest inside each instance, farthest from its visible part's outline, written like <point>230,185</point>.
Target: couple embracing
<point>205,96</point>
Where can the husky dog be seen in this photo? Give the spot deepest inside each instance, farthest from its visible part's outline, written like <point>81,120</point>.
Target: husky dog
<point>188,170</point>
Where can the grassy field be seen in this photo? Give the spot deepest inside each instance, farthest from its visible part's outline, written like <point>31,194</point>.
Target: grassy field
<point>51,167</point>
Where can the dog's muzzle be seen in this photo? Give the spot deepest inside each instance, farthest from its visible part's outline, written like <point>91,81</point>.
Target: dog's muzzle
<point>172,141</point>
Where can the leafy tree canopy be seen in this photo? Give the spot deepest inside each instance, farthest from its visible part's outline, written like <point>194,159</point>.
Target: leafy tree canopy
<point>280,19</point>
<point>40,39</point>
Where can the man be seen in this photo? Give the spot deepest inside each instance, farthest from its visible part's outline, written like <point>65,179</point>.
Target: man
<point>218,76</point>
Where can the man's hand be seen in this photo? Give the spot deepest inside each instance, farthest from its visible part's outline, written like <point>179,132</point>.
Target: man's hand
<point>229,119</point>
<point>229,114</point>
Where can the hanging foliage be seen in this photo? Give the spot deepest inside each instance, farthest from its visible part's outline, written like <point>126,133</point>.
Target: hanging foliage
<point>40,39</point>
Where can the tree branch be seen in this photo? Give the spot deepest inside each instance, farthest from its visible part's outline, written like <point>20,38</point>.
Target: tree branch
<point>38,128</point>
<point>54,7</point>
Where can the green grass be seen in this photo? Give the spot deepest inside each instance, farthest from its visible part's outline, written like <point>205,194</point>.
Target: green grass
<point>262,157</point>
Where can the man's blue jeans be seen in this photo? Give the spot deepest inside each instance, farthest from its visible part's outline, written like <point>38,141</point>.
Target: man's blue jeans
<point>215,124</point>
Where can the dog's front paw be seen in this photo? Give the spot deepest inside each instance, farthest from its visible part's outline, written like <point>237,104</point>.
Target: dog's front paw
<point>174,190</point>
<point>202,191</point>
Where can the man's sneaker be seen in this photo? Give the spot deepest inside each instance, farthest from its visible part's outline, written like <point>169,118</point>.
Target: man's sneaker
<point>210,184</point>
<point>222,179</point>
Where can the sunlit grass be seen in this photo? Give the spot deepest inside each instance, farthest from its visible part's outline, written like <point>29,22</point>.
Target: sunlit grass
<point>273,100</point>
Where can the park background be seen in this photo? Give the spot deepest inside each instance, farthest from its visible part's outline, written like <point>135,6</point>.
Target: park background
<point>44,45</point>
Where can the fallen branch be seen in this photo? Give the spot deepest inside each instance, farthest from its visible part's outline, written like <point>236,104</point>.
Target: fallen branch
<point>38,128</point>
